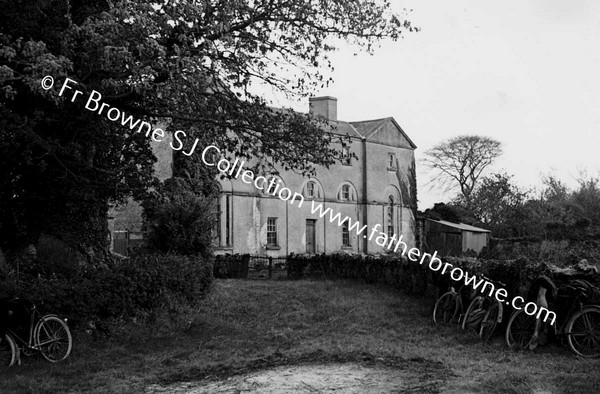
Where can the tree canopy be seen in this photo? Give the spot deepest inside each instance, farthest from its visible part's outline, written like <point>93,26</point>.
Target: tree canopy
<point>556,212</point>
<point>460,161</point>
<point>196,63</point>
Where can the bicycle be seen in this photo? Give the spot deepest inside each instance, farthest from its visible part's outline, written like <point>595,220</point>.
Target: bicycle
<point>449,306</point>
<point>484,313</point>
<point>47,334</point>
<point>580,325</point>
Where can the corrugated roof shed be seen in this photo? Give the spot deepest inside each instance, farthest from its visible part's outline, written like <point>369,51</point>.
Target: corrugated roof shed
<point>461,226</point>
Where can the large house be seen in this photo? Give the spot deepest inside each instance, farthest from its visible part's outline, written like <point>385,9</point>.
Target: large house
<point>378,188</point>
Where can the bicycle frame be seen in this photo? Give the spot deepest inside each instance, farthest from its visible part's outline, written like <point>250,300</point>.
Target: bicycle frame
<point>47,334</point>
<point>34,318</point>
<point>575,305</point>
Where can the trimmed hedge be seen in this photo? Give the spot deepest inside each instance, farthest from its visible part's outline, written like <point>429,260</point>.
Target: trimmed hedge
<point>413,278</point>
<point>92,297</point>
<point>230,266</point>
<point>393,270</point>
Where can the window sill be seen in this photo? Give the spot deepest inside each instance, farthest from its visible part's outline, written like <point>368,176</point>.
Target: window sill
<point>273,247</point>
<point>348,247</point>
<point>392,169</point>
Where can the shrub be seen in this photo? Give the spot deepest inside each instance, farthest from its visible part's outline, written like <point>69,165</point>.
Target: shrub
<point>231,266</point>
<point>95,297</point>
<point>180,220</point>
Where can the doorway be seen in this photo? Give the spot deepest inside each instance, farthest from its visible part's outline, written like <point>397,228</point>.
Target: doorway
<point>311,241</point>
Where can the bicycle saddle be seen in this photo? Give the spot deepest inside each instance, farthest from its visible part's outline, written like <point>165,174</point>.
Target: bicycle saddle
<point>584,289</point>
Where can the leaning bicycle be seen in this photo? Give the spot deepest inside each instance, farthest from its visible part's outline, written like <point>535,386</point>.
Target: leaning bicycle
<point>46,334</point>
<point>449,308</point>
<point>578,323</point>
<point>484,313</point>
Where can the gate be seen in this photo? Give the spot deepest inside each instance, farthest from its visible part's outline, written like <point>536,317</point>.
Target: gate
<point>121,242</point>
<point>265,267</point>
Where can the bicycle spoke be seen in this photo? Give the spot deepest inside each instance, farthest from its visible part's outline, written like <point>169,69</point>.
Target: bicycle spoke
<point>53,339</point>
<point>586,321</point>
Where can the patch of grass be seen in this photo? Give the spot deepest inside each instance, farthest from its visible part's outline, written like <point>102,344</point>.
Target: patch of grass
<point>247,325</point>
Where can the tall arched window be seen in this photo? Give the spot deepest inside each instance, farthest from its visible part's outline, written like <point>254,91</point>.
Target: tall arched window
<point>391,225</point>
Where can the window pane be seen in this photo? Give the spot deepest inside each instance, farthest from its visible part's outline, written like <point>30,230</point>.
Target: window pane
<point>346,192</point>
<point>345,235</point>
<point>227,220</point>
<point>310,187</point>
<point>272,231</point>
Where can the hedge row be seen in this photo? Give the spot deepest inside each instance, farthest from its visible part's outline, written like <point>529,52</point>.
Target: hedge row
<point>393,270</point>
<point>230,266</point>
<point>413,278</point>
<point>92,297</point>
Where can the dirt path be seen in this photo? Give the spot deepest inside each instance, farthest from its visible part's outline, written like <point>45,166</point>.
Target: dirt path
<point>323,378</point>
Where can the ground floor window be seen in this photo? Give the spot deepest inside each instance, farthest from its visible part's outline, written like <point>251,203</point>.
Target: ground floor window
<point>345,234</point>
<point>272,231</point>
<point>223,225</point>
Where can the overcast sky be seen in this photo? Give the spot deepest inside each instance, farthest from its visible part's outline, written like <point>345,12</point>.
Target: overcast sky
<point>524,72</point>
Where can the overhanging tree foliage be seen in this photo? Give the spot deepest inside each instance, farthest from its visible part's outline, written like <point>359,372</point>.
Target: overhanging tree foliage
<point>194,62</point>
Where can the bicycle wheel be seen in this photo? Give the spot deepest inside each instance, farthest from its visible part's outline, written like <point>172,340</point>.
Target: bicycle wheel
<point>53,338</point>
<point>8,351</point>
<point>520,330</point>
<point>490,321</point>
<point>583,332</point>
<point>470,318</point>
<point>446,308</point>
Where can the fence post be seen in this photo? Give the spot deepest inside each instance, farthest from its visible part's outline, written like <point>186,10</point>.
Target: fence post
<point>270,267</point>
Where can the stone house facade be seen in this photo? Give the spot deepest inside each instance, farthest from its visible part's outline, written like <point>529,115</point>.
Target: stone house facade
<point>378,187</point>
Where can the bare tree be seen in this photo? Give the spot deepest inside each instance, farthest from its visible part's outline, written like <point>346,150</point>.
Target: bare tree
<point>459,161</point>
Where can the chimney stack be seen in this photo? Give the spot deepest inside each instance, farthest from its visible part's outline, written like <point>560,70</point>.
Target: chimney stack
<point>325,106</point>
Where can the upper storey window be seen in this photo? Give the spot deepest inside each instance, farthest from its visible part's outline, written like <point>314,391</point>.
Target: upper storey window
<point>312,189</point>
<point>391,161</point>
<point>346,192</point>
<point>346,156</point>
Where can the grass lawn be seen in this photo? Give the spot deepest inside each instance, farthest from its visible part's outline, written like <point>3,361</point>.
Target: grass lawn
<point>248,325</point>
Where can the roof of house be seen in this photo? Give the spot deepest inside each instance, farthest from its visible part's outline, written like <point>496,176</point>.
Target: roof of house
<point>344,128</point>
<point>370,128</point>
<point>373,130</point>
<point>461,226</point>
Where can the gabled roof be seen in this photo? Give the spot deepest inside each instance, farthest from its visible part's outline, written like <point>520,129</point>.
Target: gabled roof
<point>461,226</point>
<point>370,128</point>
<point>367,127</point>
